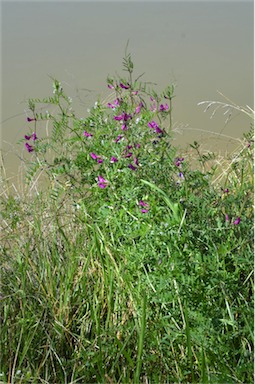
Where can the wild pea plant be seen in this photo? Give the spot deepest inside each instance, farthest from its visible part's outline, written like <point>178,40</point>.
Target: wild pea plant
<point>128,265</point>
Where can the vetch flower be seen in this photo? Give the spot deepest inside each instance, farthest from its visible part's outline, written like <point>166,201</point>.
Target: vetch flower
<point>138,108</point>
<point>152,124</point>
<point>30,119</point>
<point>135,160</point>
<point>226,190</point>
<point>29,147</point>
<point>226,217</point>
<point>158,130</point>
<point>163,108</point>
<point>119,137</point>
<point>118,118</point>
<point>93,155</point>
<point>113,159</point>
<point>113,106</point>
<point>132,167</point>
<point>124,116</point>
<point>87,134</point>
<point>102,183</point>
<point>33,136</point>
<point>129,154</point>
<point>124,127</point>
<point>143,204</point>
<point>123,86</point>
<point>178,161</point>
<point>237,221</point>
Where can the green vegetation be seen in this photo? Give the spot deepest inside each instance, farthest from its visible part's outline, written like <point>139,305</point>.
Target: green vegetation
<point>122,262</point>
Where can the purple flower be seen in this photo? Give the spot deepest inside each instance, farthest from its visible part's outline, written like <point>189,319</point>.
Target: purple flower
<point>237,221</point>
<point>163,108</point>
<point>124,116</point>
<point>114,105</point>
<point>123,86</point>
<point>129,154</point>
<point>143,204</point>
<point>135,92</point>
<point>118,118</point>
<point>132,167</point>
<point>93,155</point>
<point>33,136</point>
<point>154,125</point>
<point>113,159</point>
<point>30,119</point>
<point>181,175</point>
<point>110,86</point>
<point>138,145</point>
<point>138,108</point>
<point>226,190</point>
<point>124,127</point>
<point>102,183</point>
<point>29,147</point>
<point>119,137</point>
<point>178,161</point>
<point>87,134</point>
<point>158,130</point>
<point>27,137</point>
<point>135,160</point>
<point>226,217</point>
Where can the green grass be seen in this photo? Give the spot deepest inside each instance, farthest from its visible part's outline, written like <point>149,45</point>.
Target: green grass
<point>95,291</point>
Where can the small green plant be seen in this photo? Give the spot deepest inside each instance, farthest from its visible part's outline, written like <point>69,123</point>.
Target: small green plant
<point>127,264</point>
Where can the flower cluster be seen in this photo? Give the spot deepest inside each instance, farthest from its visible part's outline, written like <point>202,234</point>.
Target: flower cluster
<point>152,124</point>
<point>102,183</point>
<point>125,118</point>
<point>235,222</point>
<point>95,157</point>
<point>178,161</point>
<point>29,147</point>
<point>145,206</point>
